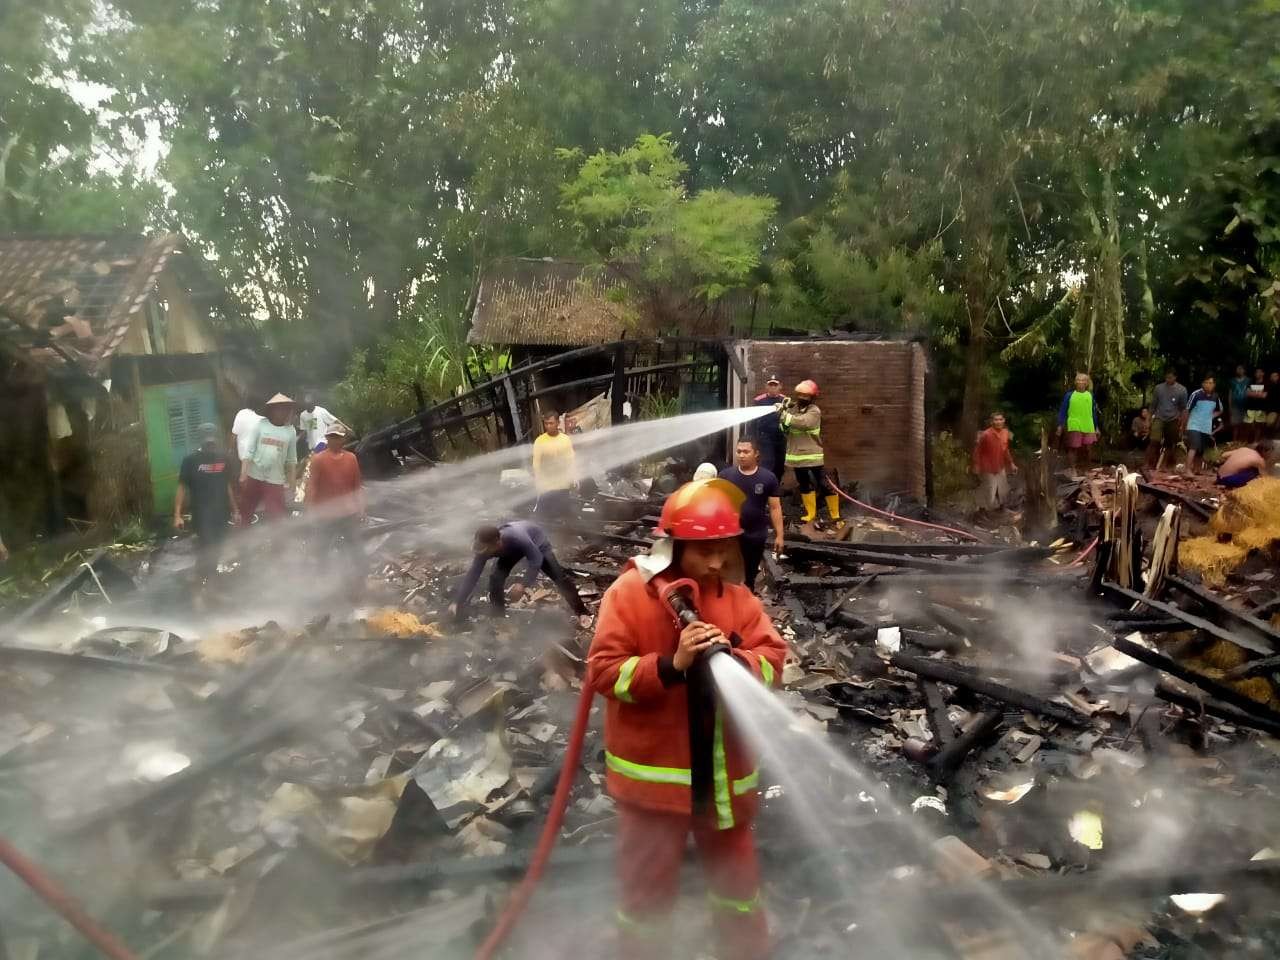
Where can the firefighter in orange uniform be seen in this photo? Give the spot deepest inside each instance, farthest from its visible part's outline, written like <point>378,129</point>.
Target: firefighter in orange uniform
<point>638,661</point>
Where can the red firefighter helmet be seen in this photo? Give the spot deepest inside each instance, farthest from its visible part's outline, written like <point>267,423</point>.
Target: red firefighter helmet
<point>702,510</point>
<point>807,387</point>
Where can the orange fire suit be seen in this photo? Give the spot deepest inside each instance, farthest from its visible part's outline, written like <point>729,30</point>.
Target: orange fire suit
<point>647,754</point>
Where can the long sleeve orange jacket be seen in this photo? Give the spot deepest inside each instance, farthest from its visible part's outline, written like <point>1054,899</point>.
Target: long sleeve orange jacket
<point>646,727</point>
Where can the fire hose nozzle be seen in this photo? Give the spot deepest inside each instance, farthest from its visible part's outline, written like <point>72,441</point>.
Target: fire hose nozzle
<point>706,655</point>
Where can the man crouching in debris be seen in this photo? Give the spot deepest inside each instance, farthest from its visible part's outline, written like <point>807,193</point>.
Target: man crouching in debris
<point>666,786</point>
<point>509,544</point>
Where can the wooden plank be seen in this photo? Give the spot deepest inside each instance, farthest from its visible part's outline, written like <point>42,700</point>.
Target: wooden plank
<point>1266,632</point>
<point>935,708</point>
<point>1210,686</point>
<point>944,672</point>
<point>1199,623</point>
<point>944,764</point>
<point>1195,506</point>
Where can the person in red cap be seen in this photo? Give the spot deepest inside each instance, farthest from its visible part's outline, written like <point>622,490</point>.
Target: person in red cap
<point>802,423</point>
<point>335,499</point>
<point>639,661</point>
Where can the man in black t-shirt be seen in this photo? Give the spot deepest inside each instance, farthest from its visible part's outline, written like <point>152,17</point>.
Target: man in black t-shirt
<point>761,509</point>
<point>206,483</point>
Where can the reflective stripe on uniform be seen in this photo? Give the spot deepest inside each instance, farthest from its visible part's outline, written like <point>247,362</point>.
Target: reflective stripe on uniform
<point>737,906</point>
<point>803,457</point>
<point>646,774</point>
<point>622,686</point>
<point>766,671</point>
<point>720,777</point>
<point>644,929</point>
<point>747,783</point>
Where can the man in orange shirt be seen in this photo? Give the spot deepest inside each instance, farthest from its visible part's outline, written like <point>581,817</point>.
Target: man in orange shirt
<point>993,463</point>
<point>335,495</point>
<point>645,661</point>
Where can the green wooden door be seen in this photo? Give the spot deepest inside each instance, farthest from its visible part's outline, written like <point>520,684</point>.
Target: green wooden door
<point>173,413</point>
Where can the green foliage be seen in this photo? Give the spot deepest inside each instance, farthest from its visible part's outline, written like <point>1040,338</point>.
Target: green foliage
<point>1035,186</point>
<point>952,468</point>
<point>635,214</point>
<point>430,352</point>
<point>659,406</point>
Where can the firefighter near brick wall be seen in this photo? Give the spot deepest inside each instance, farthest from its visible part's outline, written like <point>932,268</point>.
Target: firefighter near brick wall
<point>675,764</point>
<point>801,420</point>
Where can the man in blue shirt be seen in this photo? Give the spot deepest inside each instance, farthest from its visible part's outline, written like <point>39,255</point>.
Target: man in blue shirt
<point>1203,406</point>
<point>761,508</point>
<point>509,544</point>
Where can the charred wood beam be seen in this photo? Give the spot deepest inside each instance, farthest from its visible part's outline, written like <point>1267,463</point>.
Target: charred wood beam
<point>779,577</point>
<point>173,787</point>
<point>956,676</point>
<point>1188,700</point>
<point>58,658</point>
<point>1267,633</point>
<point>836,604</point>
<point>1162,625</point>
<point>1254,668</point>
<point>847,555</point>
<point>950,620</point>
<point>1195,506</point>
<point>910,549</point>
<point>1198,623</point>
<point>1011,556</point>
<point>943,764</point>
<point>919,579</point>
<point>1104,886</point>
<point>1210,686</point>
<point>935,708</point>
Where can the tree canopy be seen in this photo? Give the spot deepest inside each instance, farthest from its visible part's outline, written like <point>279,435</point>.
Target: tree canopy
<point>1035,186</point>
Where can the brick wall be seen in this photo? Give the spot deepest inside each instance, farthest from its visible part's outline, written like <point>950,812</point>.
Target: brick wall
<point>872,399</point>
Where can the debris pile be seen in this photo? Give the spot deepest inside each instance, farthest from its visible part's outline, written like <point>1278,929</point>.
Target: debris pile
<point>1024,741</point>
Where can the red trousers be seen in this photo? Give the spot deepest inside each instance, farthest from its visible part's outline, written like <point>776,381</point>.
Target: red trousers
<point>650,850</point>
<point>258,492</point>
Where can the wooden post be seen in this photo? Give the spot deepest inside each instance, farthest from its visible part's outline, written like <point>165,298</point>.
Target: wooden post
<point>618,391</point>
<point>516,430</point>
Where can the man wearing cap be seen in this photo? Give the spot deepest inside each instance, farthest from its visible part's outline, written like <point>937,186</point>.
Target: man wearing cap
<point>271,462</point>
<point>315,421</point>
<point>767,431</point>
<point>335,495</point>
<point>509,544</point>
<point>206,483</point>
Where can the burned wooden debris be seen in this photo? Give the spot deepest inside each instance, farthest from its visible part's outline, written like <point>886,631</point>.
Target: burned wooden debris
<point>395,766</point>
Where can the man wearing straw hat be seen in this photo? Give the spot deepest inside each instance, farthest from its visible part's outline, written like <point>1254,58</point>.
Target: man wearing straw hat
<point>271,462</point>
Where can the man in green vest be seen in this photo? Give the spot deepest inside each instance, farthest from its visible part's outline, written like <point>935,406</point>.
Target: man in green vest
<point>1080,418</point>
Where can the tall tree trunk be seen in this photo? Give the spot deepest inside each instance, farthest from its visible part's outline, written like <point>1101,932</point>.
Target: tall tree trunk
<point>975,384</point>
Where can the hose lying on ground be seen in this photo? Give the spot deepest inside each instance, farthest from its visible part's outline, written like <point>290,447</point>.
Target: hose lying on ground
<point>30,873</point>
<point>550,830</point>
<point>893,516</point>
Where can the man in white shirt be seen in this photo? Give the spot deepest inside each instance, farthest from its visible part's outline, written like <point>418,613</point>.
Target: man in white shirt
<point>315,421</point>
<point>242,430</point>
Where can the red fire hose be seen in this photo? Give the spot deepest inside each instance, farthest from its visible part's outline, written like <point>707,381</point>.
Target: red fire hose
<point>893,516</point>
<point>34,877</point>
<point>550,830</point>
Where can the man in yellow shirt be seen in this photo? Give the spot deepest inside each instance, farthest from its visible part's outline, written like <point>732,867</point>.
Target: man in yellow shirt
<point>554,470</point>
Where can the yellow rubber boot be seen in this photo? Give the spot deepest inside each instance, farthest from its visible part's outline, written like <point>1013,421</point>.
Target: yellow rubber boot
<point>810,501</point>
<point>833,506</point>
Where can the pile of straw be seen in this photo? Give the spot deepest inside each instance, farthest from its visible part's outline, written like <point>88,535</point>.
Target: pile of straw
<point>1248,520</point>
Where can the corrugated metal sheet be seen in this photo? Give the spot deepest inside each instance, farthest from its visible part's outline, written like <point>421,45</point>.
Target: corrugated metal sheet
<point>72,298</point>
<point>560,303</point>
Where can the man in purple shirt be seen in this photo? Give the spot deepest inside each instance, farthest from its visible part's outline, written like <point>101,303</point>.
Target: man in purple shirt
<point>508,544</point>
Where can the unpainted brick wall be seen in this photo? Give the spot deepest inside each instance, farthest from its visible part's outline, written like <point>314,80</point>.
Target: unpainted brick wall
<point>872,396</point>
